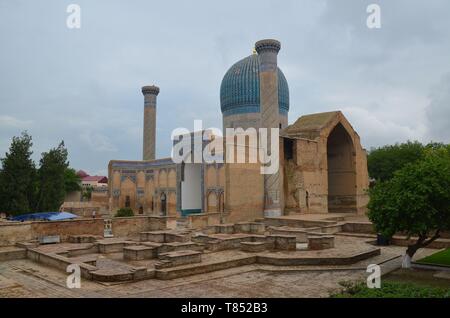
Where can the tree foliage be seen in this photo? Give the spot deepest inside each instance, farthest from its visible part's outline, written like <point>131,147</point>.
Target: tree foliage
<point>26,189</point>
<point>123,212</point>
<point>416,201</point>
<point>87,192</point>
<point>72,182</point>
<point>384,161</point>
<point>18,177</point>
<point>51,175</point>
<point>390,289</point>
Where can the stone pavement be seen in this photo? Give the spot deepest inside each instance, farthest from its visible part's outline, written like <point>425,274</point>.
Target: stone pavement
<point>24,278</point>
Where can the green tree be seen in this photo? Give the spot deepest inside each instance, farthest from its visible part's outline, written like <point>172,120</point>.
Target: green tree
<point>87,192</point>
<point>384,161</point>
<point>51,175</point>
<point>18,177</point>
<point>123,212</point>
<point>416,201</point>
<point>72,182</point>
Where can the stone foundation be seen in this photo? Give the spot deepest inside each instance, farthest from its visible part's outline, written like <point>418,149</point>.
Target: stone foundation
<point>177,258</point>
<point>320,242</point>
<point>253,247</point>
<point>138,252</point>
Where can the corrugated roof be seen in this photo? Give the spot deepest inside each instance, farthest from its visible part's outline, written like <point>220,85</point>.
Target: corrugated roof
<point>95,178</point>
<point>45,216</point>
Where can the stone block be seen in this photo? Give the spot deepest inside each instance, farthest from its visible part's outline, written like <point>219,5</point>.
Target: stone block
<point>178,258</point>
<point>224,228</point>
<point>139,252</point>
<point>282,242</point>
<point>320,242</point>
<point>253,246</point>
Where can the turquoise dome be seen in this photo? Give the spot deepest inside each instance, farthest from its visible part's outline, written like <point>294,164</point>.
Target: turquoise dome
<point>239,91</point>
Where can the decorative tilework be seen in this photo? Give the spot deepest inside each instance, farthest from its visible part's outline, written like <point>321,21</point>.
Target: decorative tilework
<point>240,92</point>
<point>131,177</point>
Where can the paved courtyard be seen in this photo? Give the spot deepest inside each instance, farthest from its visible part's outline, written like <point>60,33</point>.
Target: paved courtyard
<point>25,278</point>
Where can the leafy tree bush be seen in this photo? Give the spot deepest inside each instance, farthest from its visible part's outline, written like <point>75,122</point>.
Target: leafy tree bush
<point>124,212</point>
<point>87,192</point>
<point>18,177</point>
<point>25,189</point>
<point>72,182</point>
<point>384,161</point>
<point>51,174</point>
<point>416,201</point>
<point>390,290</point>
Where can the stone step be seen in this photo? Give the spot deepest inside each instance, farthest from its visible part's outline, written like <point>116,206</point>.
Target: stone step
<point>362,235</point>
<point>182,223</point>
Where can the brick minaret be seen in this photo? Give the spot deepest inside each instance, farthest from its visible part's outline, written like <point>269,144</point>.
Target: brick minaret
<point>268,78</point>
<point>150,93</point>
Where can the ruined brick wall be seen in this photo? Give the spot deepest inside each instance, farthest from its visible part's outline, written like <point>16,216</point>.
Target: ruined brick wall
<point>128,226</point>
<point>66,228</point>
<point>11,233</point>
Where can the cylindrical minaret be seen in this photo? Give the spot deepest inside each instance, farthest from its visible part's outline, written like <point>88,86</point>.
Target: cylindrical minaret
<point>268,81</point>
<point>150,93</point>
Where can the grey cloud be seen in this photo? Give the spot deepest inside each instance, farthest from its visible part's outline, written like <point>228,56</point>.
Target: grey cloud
<point>83,86</point>
<point>438,111</point>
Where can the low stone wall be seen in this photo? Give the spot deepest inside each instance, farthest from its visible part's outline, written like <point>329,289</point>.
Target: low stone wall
<point>164,237</point>
<point>403,241</point>
<point>67,228</point>
<point>129,226</point>
<point>178,258</point>
<point>253,247</point>
<point>13,253</point>
<point>14,232</point>
<point>203,268</point>
<point>300,235</point>
<point>282,242</point>
<point>320,242</point>
<point>295,261</point>
<point>296,223</point>
<point>203,220</point>
<point>138,252</point>
<point>59,262</point>
<point>250,227</point>
<point>358,227</point>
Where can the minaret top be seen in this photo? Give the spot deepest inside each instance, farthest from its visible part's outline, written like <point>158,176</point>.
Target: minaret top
<point>268,45</point>
<point>153,90</point>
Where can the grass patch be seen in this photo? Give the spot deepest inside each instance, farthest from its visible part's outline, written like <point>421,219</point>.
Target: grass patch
<point>439,258</point>
<point>390,290</point>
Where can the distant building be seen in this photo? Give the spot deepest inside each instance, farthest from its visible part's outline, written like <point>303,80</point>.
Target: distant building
<point>92,181</point>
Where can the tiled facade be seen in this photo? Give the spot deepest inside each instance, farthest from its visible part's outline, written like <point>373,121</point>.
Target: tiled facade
<point>323,166</point>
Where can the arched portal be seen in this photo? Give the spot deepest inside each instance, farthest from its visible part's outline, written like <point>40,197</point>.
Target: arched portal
<point>163,204</point>
<point>341,171</point>
<point>221,203</point>
<point>212,203</point>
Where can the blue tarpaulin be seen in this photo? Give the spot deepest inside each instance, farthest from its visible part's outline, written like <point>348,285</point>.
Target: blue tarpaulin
<point>45,216</point>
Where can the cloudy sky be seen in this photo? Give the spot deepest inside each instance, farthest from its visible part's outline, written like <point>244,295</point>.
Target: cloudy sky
<point>83,85</point>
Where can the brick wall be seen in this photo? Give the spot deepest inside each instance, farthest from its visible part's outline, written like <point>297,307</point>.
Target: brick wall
<point>11,233</point>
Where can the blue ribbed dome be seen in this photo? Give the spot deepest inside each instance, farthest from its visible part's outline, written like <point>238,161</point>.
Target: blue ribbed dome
<point>239,91</point>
